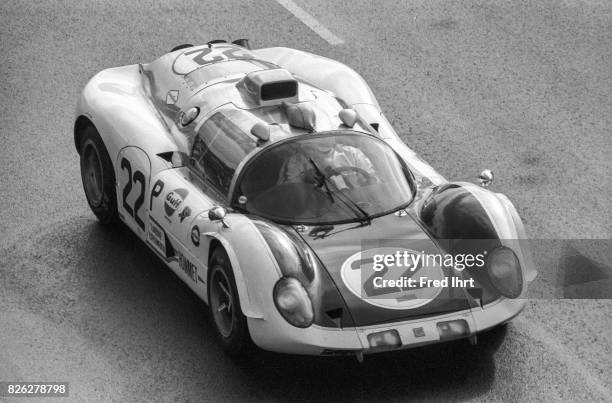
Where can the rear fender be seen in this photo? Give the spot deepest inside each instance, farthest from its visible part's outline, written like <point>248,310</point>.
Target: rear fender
<point>114,102</point>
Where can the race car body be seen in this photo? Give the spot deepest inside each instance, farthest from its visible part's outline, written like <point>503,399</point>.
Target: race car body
<point>271,183</point>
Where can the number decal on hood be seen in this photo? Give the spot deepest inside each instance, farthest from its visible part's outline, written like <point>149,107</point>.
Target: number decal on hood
<point>363,280</point>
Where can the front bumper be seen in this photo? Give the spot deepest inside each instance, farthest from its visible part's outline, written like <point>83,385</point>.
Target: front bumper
<point>274,334</point>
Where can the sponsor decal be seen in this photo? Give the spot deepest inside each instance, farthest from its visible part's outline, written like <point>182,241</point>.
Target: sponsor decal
<point>172,97</point>
<point>157,189</point>
<point>195,235</point>
<point>157,237</point>
<point>367,281</point>
<point>185,213</point>
<point>174,199</point>
<point>190,269</point>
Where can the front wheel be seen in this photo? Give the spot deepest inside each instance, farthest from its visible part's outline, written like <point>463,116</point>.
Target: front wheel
<point>98,177</point>
<point>228,320</point>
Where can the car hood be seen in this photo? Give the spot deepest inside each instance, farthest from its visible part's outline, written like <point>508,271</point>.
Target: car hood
<point>347,252</point>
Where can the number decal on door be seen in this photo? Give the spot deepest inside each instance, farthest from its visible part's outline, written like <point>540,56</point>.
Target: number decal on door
<point>138,177</point>
<point>125,164</point>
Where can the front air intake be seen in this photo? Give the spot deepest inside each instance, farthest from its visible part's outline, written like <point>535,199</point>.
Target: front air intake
<point>270,87</point>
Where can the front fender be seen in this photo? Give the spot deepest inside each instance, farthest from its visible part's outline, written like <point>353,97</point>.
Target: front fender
<point>524,249</point>
<point>464,218</point>
<point>255,269</point>
<point>508,225</point>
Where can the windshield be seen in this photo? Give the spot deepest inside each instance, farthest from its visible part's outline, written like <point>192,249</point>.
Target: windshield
<point>324,179</point>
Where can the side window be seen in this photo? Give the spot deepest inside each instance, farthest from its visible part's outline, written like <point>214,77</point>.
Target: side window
<point>218,148</point>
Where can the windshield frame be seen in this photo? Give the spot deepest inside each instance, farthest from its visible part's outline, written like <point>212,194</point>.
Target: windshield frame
<point>243,168</point>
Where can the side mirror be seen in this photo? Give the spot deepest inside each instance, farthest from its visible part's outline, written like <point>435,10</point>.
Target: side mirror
<point>485,178</point>
<point>218,213</point>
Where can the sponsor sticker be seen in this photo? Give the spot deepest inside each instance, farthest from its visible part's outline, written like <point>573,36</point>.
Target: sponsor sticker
<point>157,237</point>
<point>185,213</point>
<point>195,235</point>
<point>174,199</point>
<point>188,267</point>
<point>172,97</point>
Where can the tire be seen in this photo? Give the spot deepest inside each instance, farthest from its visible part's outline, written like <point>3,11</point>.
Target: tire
<point>98,177</point>
<point>224,305</point>
<point>493,338</point>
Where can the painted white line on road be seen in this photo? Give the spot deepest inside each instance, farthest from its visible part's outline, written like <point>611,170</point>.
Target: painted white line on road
<point>580,3</point>
<point>310,22</point>
<point>562,354</point>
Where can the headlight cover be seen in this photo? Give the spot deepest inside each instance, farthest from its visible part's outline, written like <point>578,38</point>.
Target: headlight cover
<point>293,302</point>
<point>504,271</point>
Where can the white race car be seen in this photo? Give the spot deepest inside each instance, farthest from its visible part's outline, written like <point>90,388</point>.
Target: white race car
<point>271,183</point>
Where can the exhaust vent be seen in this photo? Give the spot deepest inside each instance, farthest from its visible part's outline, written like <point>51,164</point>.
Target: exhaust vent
<point>270,87</point>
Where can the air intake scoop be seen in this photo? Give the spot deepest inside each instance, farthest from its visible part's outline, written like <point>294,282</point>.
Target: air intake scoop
<point>269,87</point>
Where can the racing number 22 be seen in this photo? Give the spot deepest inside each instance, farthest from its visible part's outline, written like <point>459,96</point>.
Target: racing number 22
<point>209,55</point>
<point>137,178</point>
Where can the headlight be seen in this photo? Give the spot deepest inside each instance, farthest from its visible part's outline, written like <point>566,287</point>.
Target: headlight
<point>293,302</point>
<point>504,271</point>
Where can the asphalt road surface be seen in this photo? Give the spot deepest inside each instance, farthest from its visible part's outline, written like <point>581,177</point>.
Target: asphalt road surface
<point>523,88</point>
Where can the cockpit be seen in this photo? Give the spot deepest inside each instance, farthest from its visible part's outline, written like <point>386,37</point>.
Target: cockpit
<point>324,178</point>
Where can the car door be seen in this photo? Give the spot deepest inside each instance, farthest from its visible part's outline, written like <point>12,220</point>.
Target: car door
<point>179,225</point>
<point>180,199</point>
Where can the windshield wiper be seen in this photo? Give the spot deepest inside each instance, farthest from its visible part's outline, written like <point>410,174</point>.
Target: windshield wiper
<point>347,201</point>
<point>366,219</point>
<point>323,179</point>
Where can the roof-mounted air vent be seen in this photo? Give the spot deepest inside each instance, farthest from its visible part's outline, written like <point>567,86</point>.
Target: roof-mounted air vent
<point>270,87</point>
